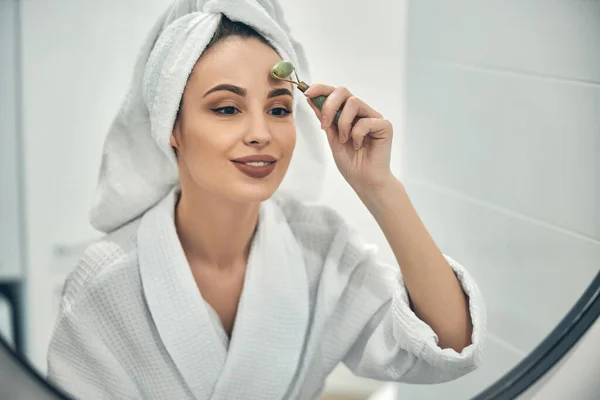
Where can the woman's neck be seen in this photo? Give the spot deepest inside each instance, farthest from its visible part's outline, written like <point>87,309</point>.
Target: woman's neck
<point>214,230</point>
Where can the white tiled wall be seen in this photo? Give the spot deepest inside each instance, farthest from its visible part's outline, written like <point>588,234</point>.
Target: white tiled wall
<point>11,266</point>
<point>530,274</point>
<point>11,262</point>
<point>502,138</point>
<point>555,39</point>
<point>485,123</point>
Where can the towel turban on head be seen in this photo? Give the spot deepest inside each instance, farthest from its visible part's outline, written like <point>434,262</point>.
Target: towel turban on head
<point>138,166</point>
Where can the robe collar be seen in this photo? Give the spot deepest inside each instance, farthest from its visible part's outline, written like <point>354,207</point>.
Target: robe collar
<point>271,323</point>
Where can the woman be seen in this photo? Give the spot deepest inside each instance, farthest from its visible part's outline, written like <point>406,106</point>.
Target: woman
<point>209,284</point>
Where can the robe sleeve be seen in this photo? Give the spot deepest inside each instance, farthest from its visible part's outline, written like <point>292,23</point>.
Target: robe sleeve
<point>82,366</point>
<point>394,344</point>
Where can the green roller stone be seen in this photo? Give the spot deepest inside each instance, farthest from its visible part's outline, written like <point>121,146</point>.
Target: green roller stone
<point>282,69</point>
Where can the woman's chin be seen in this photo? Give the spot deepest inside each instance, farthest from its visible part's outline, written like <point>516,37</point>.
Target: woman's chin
<point>254,193</point>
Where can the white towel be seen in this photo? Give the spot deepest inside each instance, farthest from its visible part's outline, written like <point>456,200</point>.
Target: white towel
<point>138,166</point>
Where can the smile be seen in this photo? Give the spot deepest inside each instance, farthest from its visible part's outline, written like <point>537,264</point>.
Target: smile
<point>258,163</point>
<point>256,169</point>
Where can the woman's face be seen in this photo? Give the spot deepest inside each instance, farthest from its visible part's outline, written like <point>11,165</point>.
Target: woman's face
<point>233,109</point>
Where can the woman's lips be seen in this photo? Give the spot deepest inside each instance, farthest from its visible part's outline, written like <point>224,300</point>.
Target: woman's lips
<point>256,169</point>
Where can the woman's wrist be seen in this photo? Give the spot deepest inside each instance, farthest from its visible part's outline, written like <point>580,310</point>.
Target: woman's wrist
<point>382,196</point>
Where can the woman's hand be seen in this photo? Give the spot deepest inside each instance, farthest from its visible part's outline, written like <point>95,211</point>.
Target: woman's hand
<point>361,142</point>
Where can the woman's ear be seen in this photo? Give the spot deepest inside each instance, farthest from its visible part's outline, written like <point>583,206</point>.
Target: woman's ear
<point>174,135</point>
<point>176,129</point>
<point>173,140</point>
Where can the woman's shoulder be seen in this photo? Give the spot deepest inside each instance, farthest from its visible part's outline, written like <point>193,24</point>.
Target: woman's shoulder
<point>320,227</point>
<point>101,259</point>
<point>310,215</point>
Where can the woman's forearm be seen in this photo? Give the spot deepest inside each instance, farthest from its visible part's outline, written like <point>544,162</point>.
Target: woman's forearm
<point>435,292</point>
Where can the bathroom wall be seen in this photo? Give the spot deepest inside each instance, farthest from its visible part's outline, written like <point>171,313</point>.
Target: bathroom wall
<point>502,138</point>
<point>10,256</point>
<point>11,251</point>
<point>77,59</point>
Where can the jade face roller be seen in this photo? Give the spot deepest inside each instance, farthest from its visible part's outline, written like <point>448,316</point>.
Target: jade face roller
<point>283,69</point>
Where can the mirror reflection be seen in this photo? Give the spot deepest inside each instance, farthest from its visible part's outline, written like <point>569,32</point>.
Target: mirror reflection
<point>401,210</point>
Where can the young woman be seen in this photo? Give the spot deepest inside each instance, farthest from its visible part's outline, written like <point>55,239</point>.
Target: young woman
<point>209,284</point>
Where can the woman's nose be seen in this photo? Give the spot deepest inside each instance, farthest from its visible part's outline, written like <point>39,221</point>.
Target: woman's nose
<point>258,132</point>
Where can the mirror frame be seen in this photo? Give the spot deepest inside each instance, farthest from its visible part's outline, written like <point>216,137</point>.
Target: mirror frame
<point>551,350</point>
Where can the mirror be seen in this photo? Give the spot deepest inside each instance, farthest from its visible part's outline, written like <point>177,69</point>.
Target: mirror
<point>496,136</point>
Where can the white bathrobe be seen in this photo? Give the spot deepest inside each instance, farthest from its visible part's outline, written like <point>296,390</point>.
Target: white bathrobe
<point>133,324</point>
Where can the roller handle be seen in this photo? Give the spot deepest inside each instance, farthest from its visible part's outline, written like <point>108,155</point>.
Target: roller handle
<point>319,100</point>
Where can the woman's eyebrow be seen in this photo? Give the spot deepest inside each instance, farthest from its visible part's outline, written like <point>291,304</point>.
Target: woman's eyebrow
<point>242,92</point>
<point>230,88</point>
<point>279,92</point>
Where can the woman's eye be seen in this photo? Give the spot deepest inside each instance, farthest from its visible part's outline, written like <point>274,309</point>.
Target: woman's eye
<point>229,110</point>
<point>280,112</point>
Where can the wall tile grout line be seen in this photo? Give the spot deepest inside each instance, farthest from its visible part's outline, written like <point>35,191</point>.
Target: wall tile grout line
<point>507,345</point>
<point>499,70</point>
<point>503,210</point>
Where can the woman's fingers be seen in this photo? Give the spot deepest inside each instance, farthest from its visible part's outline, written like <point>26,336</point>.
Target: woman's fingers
<point>335,97</point>
<point>374,127</point>
<point>318,89</point>
<point>314,108</point>
<point>331,135</point>
<point>347,118</point>
<point>353,111</point>
<point>333,103</point>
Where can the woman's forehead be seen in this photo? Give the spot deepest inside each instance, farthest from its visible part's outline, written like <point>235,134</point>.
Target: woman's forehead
<point>237,61</point>
<point>238,54</point>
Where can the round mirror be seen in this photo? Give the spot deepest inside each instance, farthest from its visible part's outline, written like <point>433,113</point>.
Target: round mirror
<point>494,115</point>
